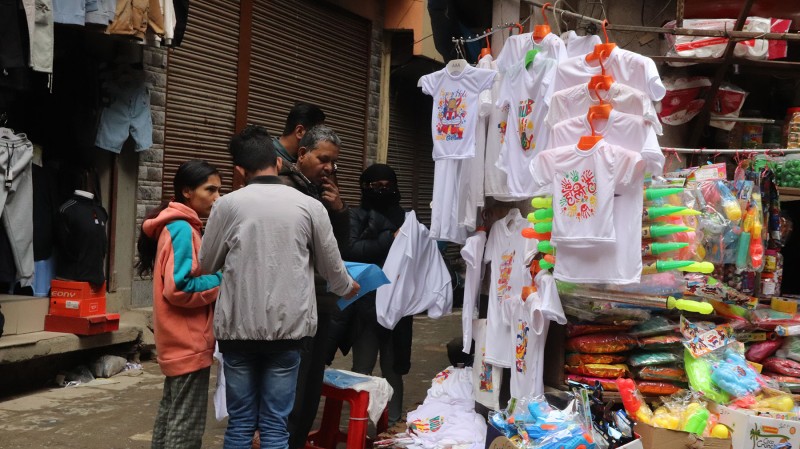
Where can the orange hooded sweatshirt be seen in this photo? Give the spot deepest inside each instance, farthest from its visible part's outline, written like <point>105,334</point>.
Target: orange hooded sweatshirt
<point>183,311</point>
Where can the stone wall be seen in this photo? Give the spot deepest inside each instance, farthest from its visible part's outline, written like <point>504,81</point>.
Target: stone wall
<point>374,96</point>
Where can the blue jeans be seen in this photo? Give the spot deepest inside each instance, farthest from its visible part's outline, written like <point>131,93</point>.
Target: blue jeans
<point>260,390</point>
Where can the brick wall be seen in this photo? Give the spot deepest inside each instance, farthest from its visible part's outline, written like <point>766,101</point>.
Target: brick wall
<point>374,98</point>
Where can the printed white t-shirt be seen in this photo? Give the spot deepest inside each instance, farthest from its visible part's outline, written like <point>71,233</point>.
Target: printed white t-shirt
<point>580,45</point>
<point>629,131</point>
<point>455,109</point>
<point>472,253</point>
<point>622,263</point>
<point>531,321</point>
<point>517,46</point>
<point>624,66</point>
<point>486,378</point>
<point>495,181</point>
<point>525,91</point>
<point>505,250</point>
<point>576,100</point>
<point>582,183</point>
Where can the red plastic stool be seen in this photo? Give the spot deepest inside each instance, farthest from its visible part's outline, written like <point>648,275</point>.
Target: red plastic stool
<point>328,436</point>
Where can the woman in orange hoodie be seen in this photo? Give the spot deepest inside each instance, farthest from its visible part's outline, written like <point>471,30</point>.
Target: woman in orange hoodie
<point>183,310</point>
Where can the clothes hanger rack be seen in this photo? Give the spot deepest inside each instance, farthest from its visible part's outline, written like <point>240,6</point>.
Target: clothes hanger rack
<point>493,30</point>
<point>770,152</point>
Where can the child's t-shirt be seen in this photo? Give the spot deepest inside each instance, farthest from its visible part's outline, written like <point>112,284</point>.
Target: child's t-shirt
<point>625,66</point>
<point>505,250</point>
<point>583,183</point>
<point>486,378</point>
<point>472,253</point>
<point>517,46</point>
<point>580,45</point>
<point>455,109</point>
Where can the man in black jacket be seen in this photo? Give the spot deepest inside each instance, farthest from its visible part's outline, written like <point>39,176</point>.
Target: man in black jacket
<point>313,175</point>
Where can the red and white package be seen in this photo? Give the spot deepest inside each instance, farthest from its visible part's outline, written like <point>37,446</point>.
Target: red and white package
<point>727,103</point>
<point>683,100</point>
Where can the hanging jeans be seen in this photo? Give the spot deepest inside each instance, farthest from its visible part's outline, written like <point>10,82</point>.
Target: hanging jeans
<point>16,200</point>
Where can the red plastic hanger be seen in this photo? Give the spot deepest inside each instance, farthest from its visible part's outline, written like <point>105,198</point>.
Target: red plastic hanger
<point>540,31</point>
<point>588,142</point>
<point>601,81</point>
<point>487,50</point>
<point>602,49</point>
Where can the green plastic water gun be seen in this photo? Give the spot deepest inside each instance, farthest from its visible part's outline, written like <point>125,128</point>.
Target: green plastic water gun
<point>689,306</point>
<point>653,212</point>
<point>543,227</point>
<point>699,267</point>
<point>661,266</point>
<point>654,231</point>
<point>542,202</point>
<point>656,248</point>
<point>545,247</point>
<point>653,194</point>
<point>543,214</point>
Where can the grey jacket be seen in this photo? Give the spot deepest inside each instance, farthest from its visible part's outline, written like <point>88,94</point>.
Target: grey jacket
<point>268,238</point>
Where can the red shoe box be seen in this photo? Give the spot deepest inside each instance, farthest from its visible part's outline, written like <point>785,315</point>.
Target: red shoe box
<point>90,325</point>
<point>77,307</point>
<point>75,290</point>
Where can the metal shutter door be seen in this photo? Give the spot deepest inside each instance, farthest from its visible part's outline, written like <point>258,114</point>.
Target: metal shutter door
<point>201,90</point>
<point>310,51</point>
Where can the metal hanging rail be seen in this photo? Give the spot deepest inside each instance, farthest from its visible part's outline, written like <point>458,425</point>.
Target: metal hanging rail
<point>736,35</point>
<point>493,30</point>
<point>776,152</point>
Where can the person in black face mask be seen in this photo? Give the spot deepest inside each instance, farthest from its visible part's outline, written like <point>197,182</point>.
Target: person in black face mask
<point>373,227</point>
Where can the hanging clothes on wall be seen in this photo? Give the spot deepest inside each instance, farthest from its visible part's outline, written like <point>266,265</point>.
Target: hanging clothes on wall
<point>126,112</point>
<point>82,240</point>
<point>16,197</point>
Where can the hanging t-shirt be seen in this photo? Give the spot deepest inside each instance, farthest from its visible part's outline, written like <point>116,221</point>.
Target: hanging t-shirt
<point>505,250</point>
<point>455,109</point>
<point>517,46</point>
<point>582,183</point>
<point>486,378</point>
<point>625,66</point>
<point>576,100</point>
<point>579,45</point>
<point>524,91</point>
<point>472,253</point>
<point>447,196</point>
<point>495,181</point>
<point>622,263</point>
<point>629,131</point>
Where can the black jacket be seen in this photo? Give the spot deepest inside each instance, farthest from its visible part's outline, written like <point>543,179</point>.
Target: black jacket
<point>371,236</point>
<point>340,222</point>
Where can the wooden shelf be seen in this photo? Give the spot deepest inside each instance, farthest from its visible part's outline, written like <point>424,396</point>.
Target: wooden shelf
<point>789,193</point>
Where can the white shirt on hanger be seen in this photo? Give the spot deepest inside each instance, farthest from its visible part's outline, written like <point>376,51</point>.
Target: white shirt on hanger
<point>419,277</point>
<point>447,198</point>
<point>505,250</point>
<point>486,378</point>
<point>582,183</point>
<point>624,66</point>
<point>576,100</point>
<point>579,45</point>
<point>525,91</point>
<point>472,252</point>
<point>495,180</point>
<point>455,109</point>
<point>517,46</point>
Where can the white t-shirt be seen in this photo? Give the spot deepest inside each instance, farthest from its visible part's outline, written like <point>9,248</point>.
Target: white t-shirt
<point>495,180</point>
<point>447,196</point>
<point>455,109</point>
<point>472,252</point>
<point>629,131</point>
<point>580,45</point>
<point>452,386</point>
<point>625,66</point>
<point>505,250</point>
<point>576,100</point>
<point>525,91</point>
<point>582,183</point>
<point>531,320</point>
<point>622,263</point>
<point>486,378</point>
<point>440,425</point>
<point>517,46</point>
<point>419,277</point>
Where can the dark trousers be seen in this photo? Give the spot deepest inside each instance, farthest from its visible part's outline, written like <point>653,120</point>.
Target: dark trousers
<point>309,384</point>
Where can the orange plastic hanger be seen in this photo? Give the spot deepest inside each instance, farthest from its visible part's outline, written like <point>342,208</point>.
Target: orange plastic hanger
<point>588,142</point>
<point>602,49</point>
<point>518,27</point>
<point>487,50</point>
<point>540,31</point>
<point>602,110</point>
<point>601,81</point>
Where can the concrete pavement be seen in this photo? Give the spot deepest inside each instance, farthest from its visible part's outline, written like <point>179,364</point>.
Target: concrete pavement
<point>118,413</point>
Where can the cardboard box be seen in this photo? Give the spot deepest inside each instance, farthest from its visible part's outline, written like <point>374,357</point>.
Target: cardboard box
<point>78,307</point>
<point>75,290</point>
<point>23,314</point>
<point>90,325</point>
<point>657,438</point>
<point>750,430</point>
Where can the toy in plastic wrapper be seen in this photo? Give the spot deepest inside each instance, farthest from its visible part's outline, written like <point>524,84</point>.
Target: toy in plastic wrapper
<point>576,330</point>
<point>669,373</point>
<point>601,344</point>
<point>652,388</point>
<point>599,370</point>
<point>657,342</point>
<point>790,349</point>
<point>784,367</point>
<point>633,401</point>
<point>655,326</point>
<point>759,351</point>
<point>575,358</point>
<point>653,358</point>
<point>698,370</point>
<point>733,374</point>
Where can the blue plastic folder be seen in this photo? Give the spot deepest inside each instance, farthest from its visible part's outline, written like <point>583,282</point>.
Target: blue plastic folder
<point>369,277</point>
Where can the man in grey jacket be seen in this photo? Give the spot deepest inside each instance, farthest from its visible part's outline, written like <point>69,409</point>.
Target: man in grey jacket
<point>267,238</point>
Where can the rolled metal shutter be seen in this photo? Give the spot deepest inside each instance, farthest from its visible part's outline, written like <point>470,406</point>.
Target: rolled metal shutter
<point>410,150</point>
<point>201,90</point>
<point>314,52</point>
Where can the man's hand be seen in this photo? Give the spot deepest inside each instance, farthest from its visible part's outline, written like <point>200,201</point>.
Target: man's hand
<point>354,291</point>
<point>330,195</point>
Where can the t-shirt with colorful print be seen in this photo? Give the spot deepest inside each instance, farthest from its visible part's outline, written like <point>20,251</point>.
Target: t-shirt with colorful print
<point>583,183</point>
<point>455,109</point>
